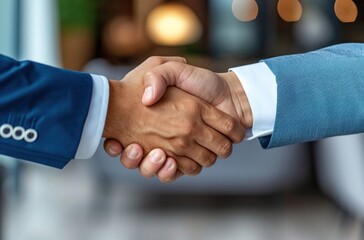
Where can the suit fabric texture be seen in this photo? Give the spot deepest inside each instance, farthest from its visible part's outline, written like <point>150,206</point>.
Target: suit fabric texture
<point>319,94</point>
<point>48,106</point>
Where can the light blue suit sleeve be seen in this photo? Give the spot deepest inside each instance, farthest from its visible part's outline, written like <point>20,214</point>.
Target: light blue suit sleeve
<point>52,102</point>
<point>319,94</point>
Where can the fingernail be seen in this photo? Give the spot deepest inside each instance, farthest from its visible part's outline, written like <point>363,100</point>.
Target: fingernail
<point>132,153</point>
<point>112,150</point>
<point>155,157</point>
<point>148,94</point>
<point>170,165</point>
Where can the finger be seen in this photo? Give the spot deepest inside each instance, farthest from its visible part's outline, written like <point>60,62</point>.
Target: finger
<point>159,60</point>
<point>169,172</point>
<point>201,154</point>
<point>157,80</point>
<point>155,61</point>
<point>174,59</point>
<point>223,123</point>
<point>215,142</point>
<point>113,147</point>
<point>188,166</point>
<point>132,156</point>
<point>152,163</point>
<point>186,77</point>
<point>155,88</point>
<point>149,96</point>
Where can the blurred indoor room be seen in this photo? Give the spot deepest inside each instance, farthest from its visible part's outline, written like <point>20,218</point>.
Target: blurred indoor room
<point>307,191</point>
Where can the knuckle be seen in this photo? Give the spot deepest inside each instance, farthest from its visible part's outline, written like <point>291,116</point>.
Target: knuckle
<point>209,137</point>
<point>209,160</point>
<point>191,105</point>
<point>182,145</point>
<point>229,125</point>
<point>225,149</point>
<point>188,127</point>
<point>193,170</point>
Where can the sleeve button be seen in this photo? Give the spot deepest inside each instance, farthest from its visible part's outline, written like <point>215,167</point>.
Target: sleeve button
<point>30,135</point>
<point>6,130</point>
<point>18,133</point>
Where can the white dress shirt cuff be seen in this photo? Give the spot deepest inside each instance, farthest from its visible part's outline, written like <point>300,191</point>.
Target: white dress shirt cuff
<point>260,86</point>
<point>95,121</point>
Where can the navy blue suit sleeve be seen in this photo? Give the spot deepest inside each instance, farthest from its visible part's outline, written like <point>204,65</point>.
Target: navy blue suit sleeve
<point>319,94</point>
<point>53,102</point>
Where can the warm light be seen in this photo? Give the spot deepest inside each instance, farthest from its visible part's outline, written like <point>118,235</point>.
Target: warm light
<point>346,10</point>
<point>173,24</point>
<point>245,10</point>
<point>289,10</point>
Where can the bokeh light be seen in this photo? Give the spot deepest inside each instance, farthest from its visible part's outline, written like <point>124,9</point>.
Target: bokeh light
<point>245,10</point>
<point>289,10</point>
<point>346,10</point>
<point>315,29</point>
<point>173,24</point>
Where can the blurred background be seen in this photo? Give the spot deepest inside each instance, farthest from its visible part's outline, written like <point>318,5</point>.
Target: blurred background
<point>306,191</point>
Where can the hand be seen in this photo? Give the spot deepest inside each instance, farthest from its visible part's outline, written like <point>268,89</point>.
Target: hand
<point>132,157</point>
<point>178,123</point>
<point>223,90</point>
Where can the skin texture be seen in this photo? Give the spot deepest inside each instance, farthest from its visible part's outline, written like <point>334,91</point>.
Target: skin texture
<point>222,90</point>
<point>191,132</point>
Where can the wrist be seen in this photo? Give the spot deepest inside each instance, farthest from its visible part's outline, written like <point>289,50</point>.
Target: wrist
<point>115,89</point>
<point>239,98</point>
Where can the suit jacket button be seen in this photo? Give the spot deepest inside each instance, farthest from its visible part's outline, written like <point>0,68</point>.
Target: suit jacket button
<point>6,130</point>
<point>30,135</point>
<point>18,133</point>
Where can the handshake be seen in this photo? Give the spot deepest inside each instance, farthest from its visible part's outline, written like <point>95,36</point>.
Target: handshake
<point>175,131</point>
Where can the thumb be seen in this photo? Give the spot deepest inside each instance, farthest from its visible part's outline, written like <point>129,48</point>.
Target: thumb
<point>199,82</point>
<point>154,88</point>
<point>156,81</point>
<point>172,73</point>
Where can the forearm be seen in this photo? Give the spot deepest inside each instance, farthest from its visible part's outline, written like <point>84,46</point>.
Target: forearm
<point>53,102</point>
<point>320,94</point>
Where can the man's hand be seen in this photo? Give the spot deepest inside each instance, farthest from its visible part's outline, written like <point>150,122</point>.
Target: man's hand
<point>222,90</point>
<point>154,163</point>
<point>186,128</point>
